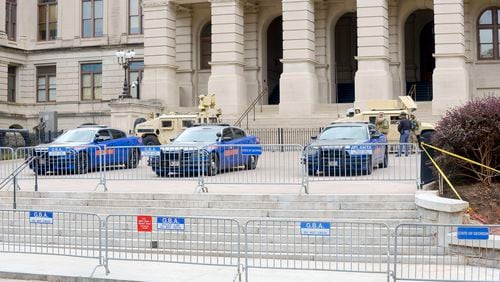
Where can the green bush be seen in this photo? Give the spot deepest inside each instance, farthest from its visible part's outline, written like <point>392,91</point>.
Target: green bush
<point>471,131</point>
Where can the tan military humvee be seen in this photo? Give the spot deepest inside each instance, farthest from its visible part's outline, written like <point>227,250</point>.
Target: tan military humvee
<point>392,110</point>
<point>162,129</point>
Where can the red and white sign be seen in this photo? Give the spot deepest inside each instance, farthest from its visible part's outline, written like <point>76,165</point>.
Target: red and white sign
<point>144,223</point>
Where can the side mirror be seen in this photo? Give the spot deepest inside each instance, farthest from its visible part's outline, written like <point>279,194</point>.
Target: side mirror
<point>314,137</point>
<point>219,135</point>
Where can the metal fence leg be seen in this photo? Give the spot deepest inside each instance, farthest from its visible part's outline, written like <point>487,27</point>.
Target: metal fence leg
<point>103,261</point>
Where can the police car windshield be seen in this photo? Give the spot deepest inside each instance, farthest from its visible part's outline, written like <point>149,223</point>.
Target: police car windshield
<point>198,134</point>
<point>344,132</point>
<point>80,135</point>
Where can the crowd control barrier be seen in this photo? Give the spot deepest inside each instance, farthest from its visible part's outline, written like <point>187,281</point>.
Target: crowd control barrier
<point>6,162</point>
<point>314,245</point>
<point>425,252</point>
<point>52,233</point>
<point>187,240</point>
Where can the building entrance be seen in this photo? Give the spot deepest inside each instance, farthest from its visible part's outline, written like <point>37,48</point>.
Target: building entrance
<point>274,56</point>
<point>419,50</point>
<point>345,64</point>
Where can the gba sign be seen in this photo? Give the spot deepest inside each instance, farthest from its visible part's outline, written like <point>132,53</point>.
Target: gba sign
<point>41,217</point>
<point>315,228</point>
<point>170,223</point>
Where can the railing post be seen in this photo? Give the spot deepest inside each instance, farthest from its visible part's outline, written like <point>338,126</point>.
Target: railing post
<point>14,204</point>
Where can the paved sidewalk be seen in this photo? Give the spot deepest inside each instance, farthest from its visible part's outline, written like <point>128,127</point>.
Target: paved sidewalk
<point>45,266</point>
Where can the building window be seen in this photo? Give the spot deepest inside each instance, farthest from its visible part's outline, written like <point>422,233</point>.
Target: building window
<point>136,69</point>
<point>92,19</point>
<point>11,19</point>
<point>206,46</point>
<point>91,81</point>
<point>135,17</point>
<point>489,34</point>
<point>46,84</point>
<point>11,84</point>
<point>47,20</point>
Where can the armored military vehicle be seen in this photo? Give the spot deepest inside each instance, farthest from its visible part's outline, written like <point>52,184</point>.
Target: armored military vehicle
<point>162,129</point>
<point>392,110</point>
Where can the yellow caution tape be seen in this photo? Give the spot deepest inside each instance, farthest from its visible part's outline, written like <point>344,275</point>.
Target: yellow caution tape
<point>441,172</point>
<point>459,157</point>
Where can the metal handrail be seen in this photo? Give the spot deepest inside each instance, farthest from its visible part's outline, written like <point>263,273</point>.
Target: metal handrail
<point>16,171</point>
<point>250,108</point>
<point>413,92</point>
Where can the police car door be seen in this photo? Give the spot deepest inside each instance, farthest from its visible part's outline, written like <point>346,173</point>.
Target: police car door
<point>240,140</point>
<point>229,151</point>
<point>104,141</point>
<point>117,146</point>
<point>378,151</point>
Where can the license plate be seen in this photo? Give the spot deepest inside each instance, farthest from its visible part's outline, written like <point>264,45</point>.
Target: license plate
<point>333,163</point>
<point>174,163</point>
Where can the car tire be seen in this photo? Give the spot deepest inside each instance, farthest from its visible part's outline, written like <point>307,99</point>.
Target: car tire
<point>213,166</point>
<point>252,162</point>
<point>133,159</point>
<point>150,140</point>
<point>369,166</point>
<point>82,164</point>
<point>385,162</point>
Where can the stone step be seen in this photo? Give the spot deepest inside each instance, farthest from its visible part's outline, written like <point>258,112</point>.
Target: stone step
<point>215,204</point>
<point>214,212</point>
<point>214,197</point>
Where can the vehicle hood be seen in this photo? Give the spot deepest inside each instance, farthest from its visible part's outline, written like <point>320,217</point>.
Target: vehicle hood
<point>187,145</point>
<point>337,142</point>
<point>63,144</point>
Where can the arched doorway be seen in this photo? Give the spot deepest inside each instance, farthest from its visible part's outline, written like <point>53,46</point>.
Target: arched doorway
<point>345,64</point>
<point>274,56</point>
<point>419,50</point>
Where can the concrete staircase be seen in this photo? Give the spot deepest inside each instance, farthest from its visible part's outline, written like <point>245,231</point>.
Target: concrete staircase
<point>349,242</point>
<point>268,116</point>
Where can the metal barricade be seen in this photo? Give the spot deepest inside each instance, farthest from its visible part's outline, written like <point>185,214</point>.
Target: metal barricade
<point>186,240</point>
<point>51,233</point>
<point>63,162</point>
<point>361,162</point>
<point>255,164</point>
<point>313,245</point>
<point>424,252</point>
<point>7,160</point>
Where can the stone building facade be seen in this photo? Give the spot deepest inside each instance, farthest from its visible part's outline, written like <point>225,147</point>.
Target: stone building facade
<point>300,54</point>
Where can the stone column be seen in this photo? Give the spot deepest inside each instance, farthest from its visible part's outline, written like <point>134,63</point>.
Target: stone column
<point>373,79</point>
<point>251,53</point>
<point>3,34</point>
<point>184,50</point>
<point>298,82</point>
<point>321,57</point>
<point>227,79</point>
<point>451,77</point>
<point>159,83</point>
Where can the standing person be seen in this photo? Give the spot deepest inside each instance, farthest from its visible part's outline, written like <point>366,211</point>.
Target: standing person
<point>404,128</point>
<point>382,124</point>
<point>415,128</point>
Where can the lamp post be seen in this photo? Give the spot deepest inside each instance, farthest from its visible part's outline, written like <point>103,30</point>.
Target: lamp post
<point>124,58</point>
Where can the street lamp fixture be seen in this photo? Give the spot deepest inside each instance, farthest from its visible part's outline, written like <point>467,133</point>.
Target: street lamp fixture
<point>124,58</point>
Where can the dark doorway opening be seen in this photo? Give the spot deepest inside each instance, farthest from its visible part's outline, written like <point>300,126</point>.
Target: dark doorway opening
<point>419,51</point>
<point>274,55</point>
<point>346,49</point>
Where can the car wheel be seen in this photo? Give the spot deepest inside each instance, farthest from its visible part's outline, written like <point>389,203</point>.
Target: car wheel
<point>252,162</point>
<point>369,166</point>
<point>150,140</point>
<point>213,166</point>
<point>133,159</point>
<point>82,164</point>
<point>385,162</point>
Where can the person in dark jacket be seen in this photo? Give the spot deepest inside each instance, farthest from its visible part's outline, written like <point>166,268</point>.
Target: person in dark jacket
<point>404,128</point>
